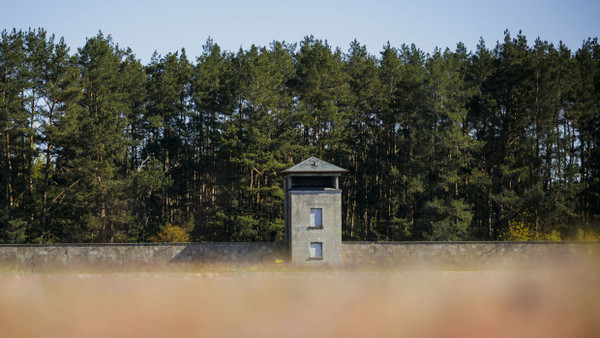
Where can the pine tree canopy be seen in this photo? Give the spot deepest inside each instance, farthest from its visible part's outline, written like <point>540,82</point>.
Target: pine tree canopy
<point>452,145</point>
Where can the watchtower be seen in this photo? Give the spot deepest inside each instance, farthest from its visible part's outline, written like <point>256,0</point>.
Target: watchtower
<point>313,212</point>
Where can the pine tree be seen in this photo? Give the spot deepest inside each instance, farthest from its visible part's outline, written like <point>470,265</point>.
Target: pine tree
<point>361,131</point>
<point>212,98</point>
<point>167,116</point>
<point>585,117</point>
<point>320,86</point>
<point>13,133</point>
<point>252,141</point>
<point>91,163</point>
<point>61,93</point>
<point>447,212</point>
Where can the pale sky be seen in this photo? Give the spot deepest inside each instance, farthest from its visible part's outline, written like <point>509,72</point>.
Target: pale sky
<point>167,26</point>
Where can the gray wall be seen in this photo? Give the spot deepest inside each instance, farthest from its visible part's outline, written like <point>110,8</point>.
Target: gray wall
<point>466,254</point>
<point>401,254</point>
<point>330,234</point>
<point>73,255</point>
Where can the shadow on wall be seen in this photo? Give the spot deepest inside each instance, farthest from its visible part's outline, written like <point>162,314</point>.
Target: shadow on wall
<point>232,252</point>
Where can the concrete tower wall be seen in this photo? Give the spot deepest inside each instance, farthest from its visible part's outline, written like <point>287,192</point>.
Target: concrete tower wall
<point>302,234</point>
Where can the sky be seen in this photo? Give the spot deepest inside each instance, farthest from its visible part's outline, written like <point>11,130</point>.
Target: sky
<point>169,25</point>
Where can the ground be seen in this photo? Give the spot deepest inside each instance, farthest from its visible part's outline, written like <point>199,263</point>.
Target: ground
<point>563,301</point>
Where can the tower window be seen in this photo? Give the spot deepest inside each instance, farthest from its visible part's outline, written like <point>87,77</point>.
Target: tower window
<point>313,182</point>
<point>316,217</point>
<point>316,250</point>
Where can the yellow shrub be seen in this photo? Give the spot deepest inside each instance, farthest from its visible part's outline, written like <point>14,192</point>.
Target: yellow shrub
<point>518,232</point>
<point>171,233</point>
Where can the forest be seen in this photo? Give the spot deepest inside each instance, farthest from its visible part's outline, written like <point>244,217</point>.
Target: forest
<point>97,147</point>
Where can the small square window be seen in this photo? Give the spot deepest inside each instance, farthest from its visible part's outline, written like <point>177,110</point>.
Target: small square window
<point>316,217</point>
<point>316,250</point>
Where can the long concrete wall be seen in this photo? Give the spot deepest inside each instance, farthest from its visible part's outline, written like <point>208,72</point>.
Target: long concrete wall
<point>399,254</point>
<point>467,254</point>
<point>72,255</point>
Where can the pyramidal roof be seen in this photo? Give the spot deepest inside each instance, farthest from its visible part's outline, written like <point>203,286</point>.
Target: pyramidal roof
<point>314,165</point>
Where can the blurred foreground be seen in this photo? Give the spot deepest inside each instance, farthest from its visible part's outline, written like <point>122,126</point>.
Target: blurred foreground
<point>560,301</point>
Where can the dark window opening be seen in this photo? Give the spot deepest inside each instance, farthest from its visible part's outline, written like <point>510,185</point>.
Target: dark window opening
<point>314,182</point>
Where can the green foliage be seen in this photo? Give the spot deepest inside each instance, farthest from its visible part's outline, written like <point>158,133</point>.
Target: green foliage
<point>449,221</point>
<point>12,229</point>
<point>553,236</point>
<point>497,143</point>
<point>583,235</point>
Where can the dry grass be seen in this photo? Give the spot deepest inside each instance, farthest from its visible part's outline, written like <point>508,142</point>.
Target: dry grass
<point>562,302</point>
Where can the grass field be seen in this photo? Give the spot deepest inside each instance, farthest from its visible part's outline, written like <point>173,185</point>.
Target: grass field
<point>285,302</point>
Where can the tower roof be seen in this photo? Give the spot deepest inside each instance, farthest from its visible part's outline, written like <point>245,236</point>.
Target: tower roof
<point>313,165</point>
